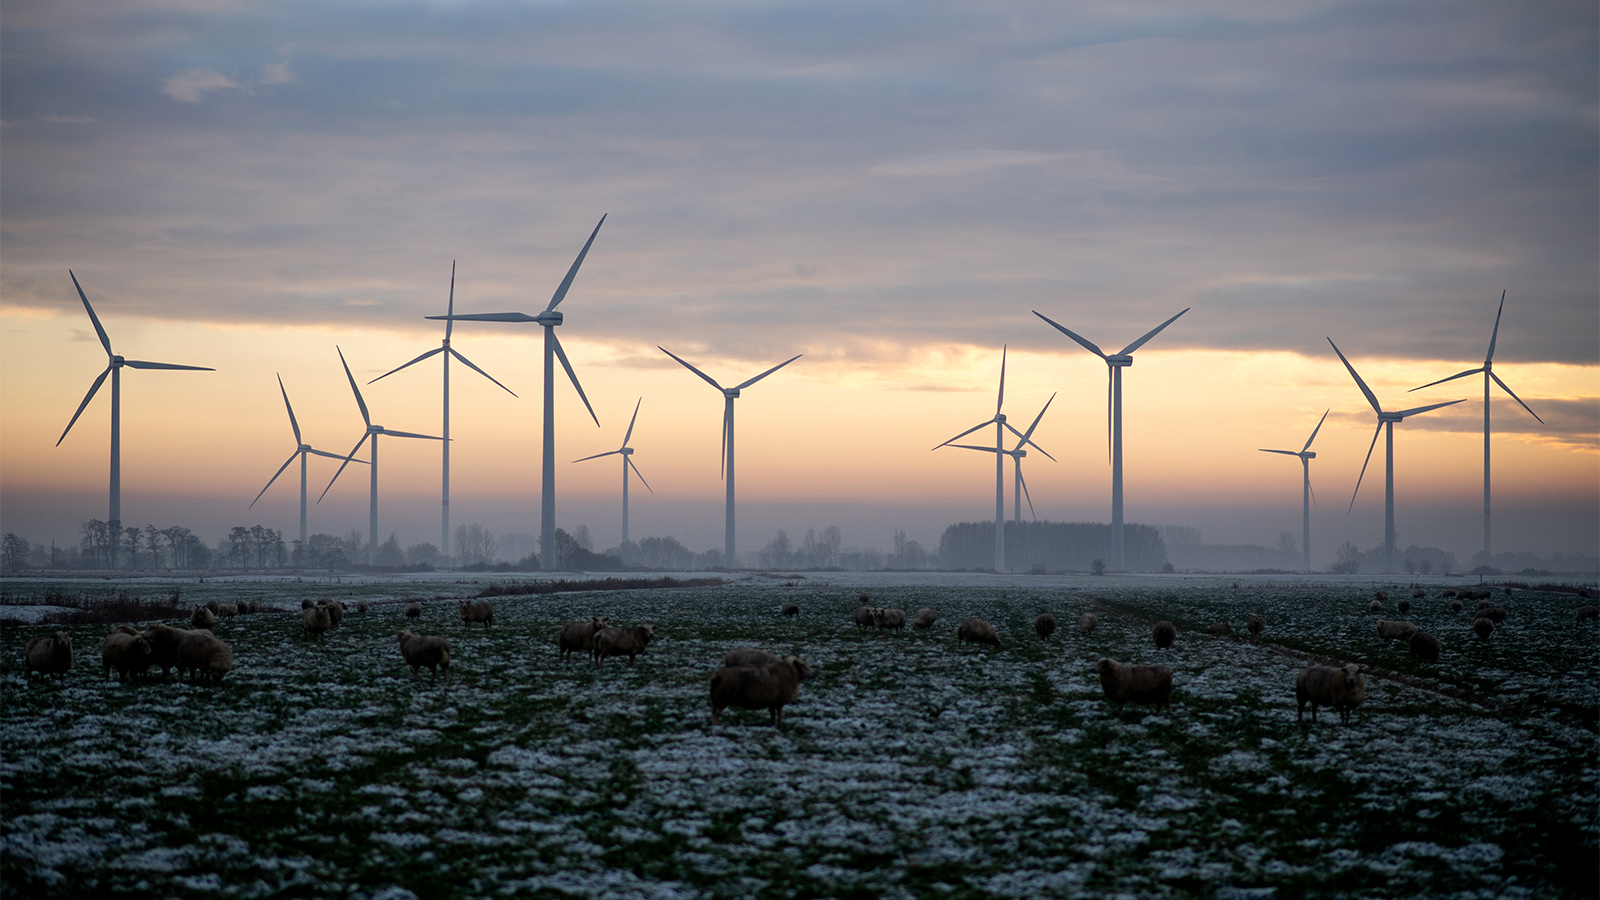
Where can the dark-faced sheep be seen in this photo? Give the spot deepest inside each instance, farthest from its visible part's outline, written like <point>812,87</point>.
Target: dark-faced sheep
<point>977,631</point>
<point>629,642</point>
<point>1482,627</point>
<point>749,656</point>
<point>790,610</point>
<point>1455,606</point>
<point>1135,684</point>
<point>576,637</point>
<point>1588,612</point>
<point>1254,624</point>
<point>202,617</point>
<point>889,618</point>
<point>335,610</point>
<point>413,610</point>
<point>1044,625</point>
<point>203,656</point>
<point>864,615</point>
<point>362,606</point>
<point>924,618</point>
<point>316,620</point>
<point>163,640</point>
<point>1404,605</point>
<point>476,611</point>
<point>1220,628</point>
<point>48,654</point>
<point>1389,630</point>
<point>1425,646</point>
<point>1163,633</point>
<point>1375,606</point>
<point>1341,688</point>
<point>420,650</point>
<point>768,686</point>
<point>128,653</point>
<point>308,603</point>
<point>1087,623</point>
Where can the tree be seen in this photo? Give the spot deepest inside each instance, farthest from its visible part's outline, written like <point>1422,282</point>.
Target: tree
<point>907,554</point>
<point>1349,560</point>
<point>424,554</point>
<point>776,554</point>
<point>13,552</point>
<point>582,539</point>
<point>832,540</point>
<point>238,541</point>
<point>389,552</point>
<point>152,543</point>
<point>1286,541</point>
<point>475,545</point>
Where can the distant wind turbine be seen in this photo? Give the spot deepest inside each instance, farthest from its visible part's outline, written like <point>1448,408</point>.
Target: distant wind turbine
<point>626,453</point>
<point>114,364</point>
<point>1384,419</point>
<point>372,432</point>
<point>729,395</point>
<point>1020,489</point>
<point>301,450</point>
<point>447,351</point>
<point>552,351</point>
<point>1488,372</point>
<point>1305,455</point>
<point>1114,366</point>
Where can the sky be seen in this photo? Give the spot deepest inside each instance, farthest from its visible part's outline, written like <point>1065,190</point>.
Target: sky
<point>891,190</point>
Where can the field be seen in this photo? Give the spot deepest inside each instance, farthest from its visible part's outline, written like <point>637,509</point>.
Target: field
<point>910,766</point>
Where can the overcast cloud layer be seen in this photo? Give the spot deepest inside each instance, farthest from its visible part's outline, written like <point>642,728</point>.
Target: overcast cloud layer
<point>821,176</point>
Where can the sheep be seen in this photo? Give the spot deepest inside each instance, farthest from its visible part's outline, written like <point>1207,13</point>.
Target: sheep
<point>127,652</point>
<point>316,620</point>
<point>1375,606</point>
<point>1455,606</point>
<point>1044,625</point>
<point>413,610</point>
<point>864,597</point>
<point>1137,684</point>
<point>420,650</point>
<point>226,610</point>
<point>749,656</point>
<point>202,617</point>
<point>362,606</point>
<point>48,654</point>
<point>163,640</point>
<point>1497,614</point>
<point>1164,633</point>
<point>1482,627</point>
<point>1341,688</point>
<point>1389,630</point>
<point>924,618</point>
<point>1425,646</point>
<point>1220,628</point>
<point>1380,596</point>
<point>1087,623</point>
<point>1404,605</point>
<point>628,642</point>
<point>977,631</point>
<point>202,654</point>
<point>579,636</point>
<point>864,615</point>
<point>768,686</point>
<point>790,610</point>
<point>476,611</point>
<point>335,610</point>
<point>889,618</point>
<point>307,603</point>
<point>1449,592</point>
<point>1418,593</point>
<point>1254,624</point>
<point>1588,612</point>
<point>213,606</point>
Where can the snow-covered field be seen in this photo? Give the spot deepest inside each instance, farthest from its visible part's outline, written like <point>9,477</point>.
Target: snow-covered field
<point>910,767</point>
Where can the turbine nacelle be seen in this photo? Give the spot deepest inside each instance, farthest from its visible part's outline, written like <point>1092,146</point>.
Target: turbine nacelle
<point>117,362</point>
<point>1121,359</point>
<point>1308,454</point>
<point>1391,417</point>
<point>548,317</point>
<point>731,393</point>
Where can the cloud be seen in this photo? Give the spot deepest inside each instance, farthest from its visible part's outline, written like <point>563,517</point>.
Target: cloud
<point>964,162</point>
<point>191,85</point>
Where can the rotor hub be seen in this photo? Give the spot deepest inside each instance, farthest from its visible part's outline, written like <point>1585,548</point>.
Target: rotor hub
<point>549,317</point>
<point>731,393</point>
<point>117,361</point>
<point>1120,360</point>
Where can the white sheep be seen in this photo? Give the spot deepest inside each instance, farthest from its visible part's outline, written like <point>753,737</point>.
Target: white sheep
<point>1135,684</point>
<point>420,650</point>
<point>629,642</point>
<point>1342,688</point>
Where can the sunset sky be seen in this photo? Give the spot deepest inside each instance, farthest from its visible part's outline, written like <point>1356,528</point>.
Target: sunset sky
<point>889,189</point>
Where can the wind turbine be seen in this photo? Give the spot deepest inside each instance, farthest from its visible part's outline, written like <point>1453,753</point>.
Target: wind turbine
<point>114,364</point>
<point>1114,366</point>
<point>552,351</point>
<point>729,395</point>
<point>1488,372</point>
<point>372,432</point>
<point>626,453</point>
<point>1305,454</point>
<point>1384,419</point>
<point>301,450</point>
<point>1020,489</point>
<point>447,351</point>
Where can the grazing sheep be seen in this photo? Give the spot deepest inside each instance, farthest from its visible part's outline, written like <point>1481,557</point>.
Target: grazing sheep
<point>1388,630</point>
<point>749,656</point>
<point>1254,624</point>
<point>413,610</point>
<point>924,618</point>
<point>977,631</point>
<point>163,640</point>
<point>48,654</point>
<point>864,615</point>
<point>307,603</point>
<point>1135,684</point>
<point>1220,628</point>
<point>1380,596</point>
<point>1482,593</point>
<point>1375,606</point>
<point>629,642</point>
<point>790,609</point>
<point>476,611</point>
<point>1449,592</point>
<point>1497,614</point>
<point>1425,646</point>
<point>579,636</point>
<point>1455,605</point>
<point>1087,623</point>
<point>362,606</point>
<point>766,686</point>
<point>202,654</point>
<point>1341,688</point>
<point>1482,627</point>
<point>1164,633</point>
<point>1418,593</point>
<point>420,650</point>
<point>226,610</point>
<point>1588,612</point>
<point>316,620</point>
<point>864,597</point>
<point>335,610</point>
<point>889,618</point>
<point>1404,605</point>
<point>213,606</point>
<point>202,618</point>
<point>1044,625</point>
<point>128,653</point>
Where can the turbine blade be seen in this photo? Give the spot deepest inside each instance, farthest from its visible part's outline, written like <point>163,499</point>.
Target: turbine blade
<point>1026,442</point>
<point>1508,390</point>
<point>635,418</point>
<point>1026,496</point>
<point>1494,335</point>
<point>86,398</point>
<point>337,456</point>
<point>566,283</point>
<point>598,455</point>
<point>963,434</point>
<point>1153,332</point>
<point>487,317</point>
<point>1285,452</point>
<point>562,355</point>
<point>292,423</point>
<point>1359,383</point>
<point>104,340</point>
<point>1111,374</point>
<point>1036,419</point>
<point>412,363</point>
<point>1000,400</point>
<point>1087,344</point>
<point>1364,467</point>
<point>1307,463</point>
<point>406,434</point>
<point>722,461</point>
<point>742,385</point>
<point>469,364</point>
<point>1422,409</point>
<point>359,402</point>
<point>142,364</point>
<point>1316,429</point>
<point>450,307</point>
<point>636,471</point>
<point>1451,378</point>
<point>709,380</point>
<point>275,476</point>
<point>970,447</point>
<point>347,458</point>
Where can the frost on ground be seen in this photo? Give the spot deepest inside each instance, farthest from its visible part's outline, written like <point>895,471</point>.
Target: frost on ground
<point>911,766</point>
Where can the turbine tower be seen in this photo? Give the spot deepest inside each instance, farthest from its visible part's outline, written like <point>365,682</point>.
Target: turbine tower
<point>1384,419</point>
<point>1305,454</point>
<point>552,351</point>
<point>1020,489</point>
<point>729,395</point>
<point>114,364</point>
<point>372,432</point>
<point>447,351</point>
<point>626,453</point>
<point>301,450</point>
<point>1114,366</point>
<point>1488,373</point>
